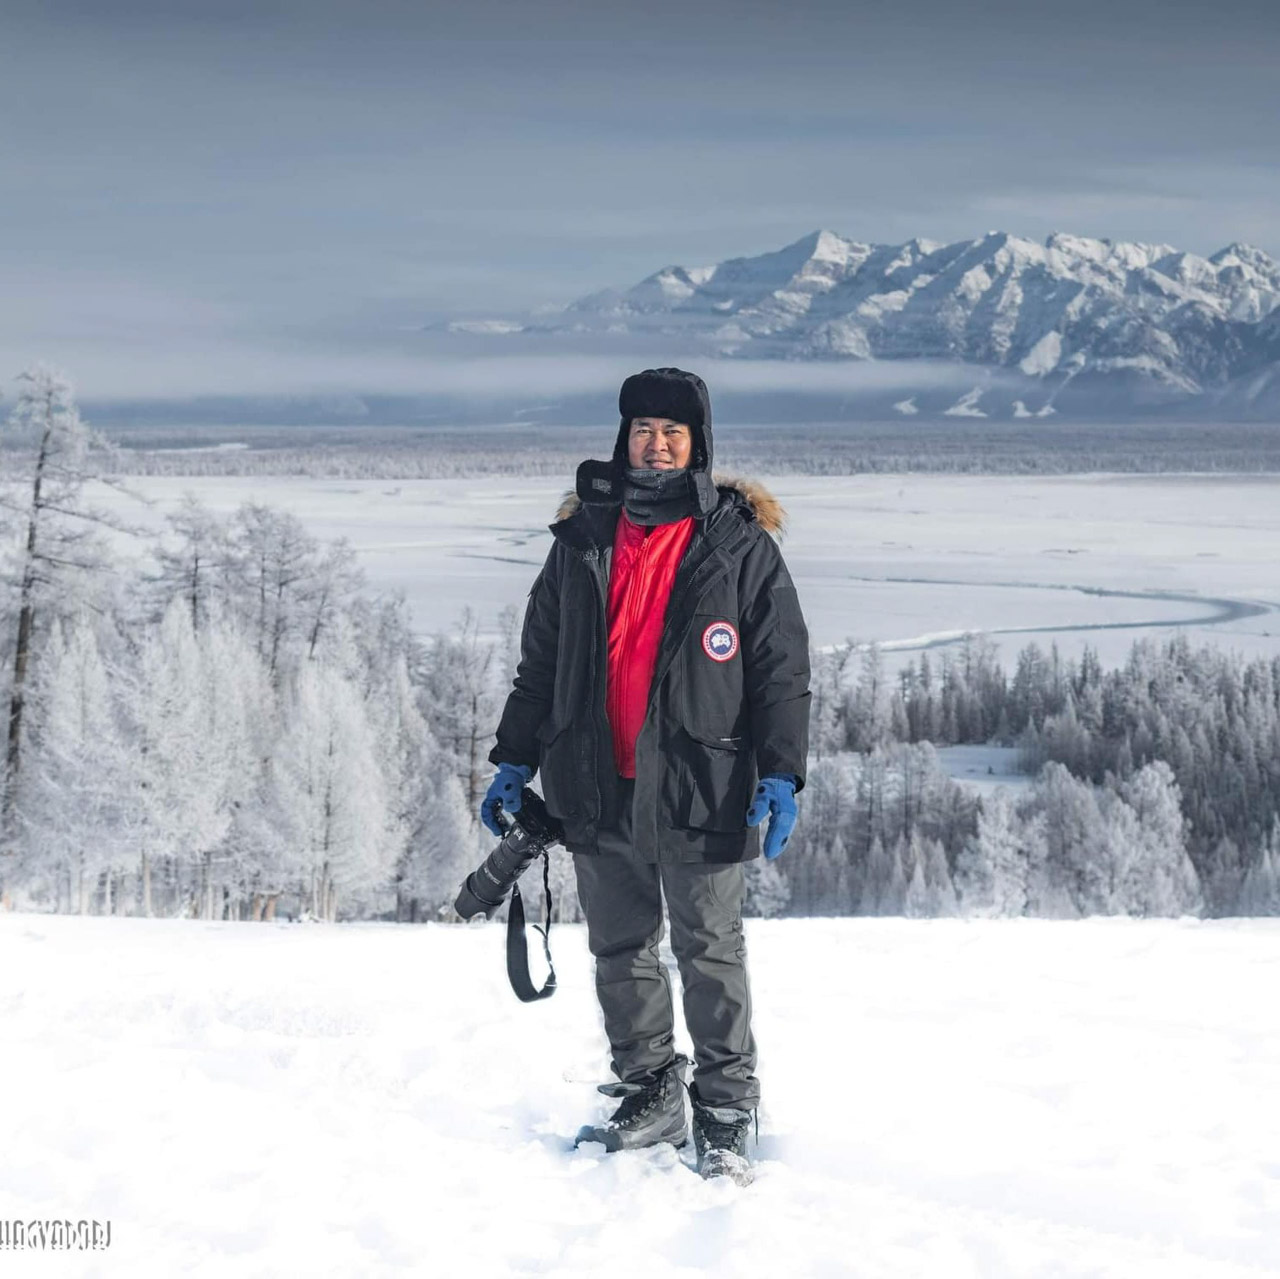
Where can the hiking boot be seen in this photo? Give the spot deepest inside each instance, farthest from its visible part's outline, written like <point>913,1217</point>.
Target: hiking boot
<point>720,1138</point>
<point>651,1112</point>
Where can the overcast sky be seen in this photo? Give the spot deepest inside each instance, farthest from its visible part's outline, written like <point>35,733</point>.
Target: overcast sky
<point>272,194</point>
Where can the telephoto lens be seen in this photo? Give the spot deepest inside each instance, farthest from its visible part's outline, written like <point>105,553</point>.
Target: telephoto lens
<point>529,836</point>
<point>531,831</point>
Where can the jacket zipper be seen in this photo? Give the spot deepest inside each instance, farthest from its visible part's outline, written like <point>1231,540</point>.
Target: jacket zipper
<point>601,626</point>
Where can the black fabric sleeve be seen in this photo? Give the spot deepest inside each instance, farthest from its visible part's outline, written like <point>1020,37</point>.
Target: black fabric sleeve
<point>775,662</point>
<point>529,702</point>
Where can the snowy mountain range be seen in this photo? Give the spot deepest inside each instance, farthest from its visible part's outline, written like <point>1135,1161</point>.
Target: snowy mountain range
<point>1096,325</point>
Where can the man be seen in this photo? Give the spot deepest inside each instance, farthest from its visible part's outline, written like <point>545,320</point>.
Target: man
<point>663,692</point>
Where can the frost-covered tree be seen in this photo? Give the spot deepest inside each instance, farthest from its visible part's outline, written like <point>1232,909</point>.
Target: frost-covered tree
<point>915,901</point>
<point>768,893</point>
<point>332,795</point>
<point>241,711</point>
<point>333,584</point>
<point>443,848</point>
<point>1074,878</point>
<point>940,888</point>
<point>274,568</point>
<point>464,685</point>
<point>58,561</point>
<point>1154,875</point>
<point>991,870</point>
<point>1260,890</point>
<point>869,714</point>
<point>195,561</point>
<point>175,795</point>
<point>829,707</point>
<point>68,802</point>
<point>886,882</point>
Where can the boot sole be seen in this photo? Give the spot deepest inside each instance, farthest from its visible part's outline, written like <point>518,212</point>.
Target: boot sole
<point>608,1140</point>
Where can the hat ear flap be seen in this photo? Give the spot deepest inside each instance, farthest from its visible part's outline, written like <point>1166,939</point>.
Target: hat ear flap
<point>699,458</point>
<point>597,481</point>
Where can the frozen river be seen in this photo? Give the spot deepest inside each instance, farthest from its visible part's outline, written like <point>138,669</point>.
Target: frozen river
<point>911,561</point>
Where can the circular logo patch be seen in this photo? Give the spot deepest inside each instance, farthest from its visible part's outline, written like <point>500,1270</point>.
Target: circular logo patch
<point>720,641</point>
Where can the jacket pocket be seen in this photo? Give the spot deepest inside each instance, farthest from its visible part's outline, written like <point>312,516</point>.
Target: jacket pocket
<point>719,774</point>
<point>557,769</point>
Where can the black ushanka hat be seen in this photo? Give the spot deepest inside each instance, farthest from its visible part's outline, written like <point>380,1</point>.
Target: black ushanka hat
<point>671,393</point>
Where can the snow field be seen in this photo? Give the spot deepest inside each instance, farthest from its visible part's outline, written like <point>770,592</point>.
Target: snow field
<point>943,1098</point>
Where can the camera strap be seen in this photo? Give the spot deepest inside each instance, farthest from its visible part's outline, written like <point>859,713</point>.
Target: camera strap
<point>517,946</point>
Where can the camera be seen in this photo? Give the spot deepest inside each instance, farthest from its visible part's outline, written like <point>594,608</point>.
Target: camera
<point>531,832</point>
<point>530,835</point>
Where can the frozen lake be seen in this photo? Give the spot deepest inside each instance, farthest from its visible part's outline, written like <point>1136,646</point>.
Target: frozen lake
<point>910,561</point>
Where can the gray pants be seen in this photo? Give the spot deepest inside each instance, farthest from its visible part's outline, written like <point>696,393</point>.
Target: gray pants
<point>622,900</point>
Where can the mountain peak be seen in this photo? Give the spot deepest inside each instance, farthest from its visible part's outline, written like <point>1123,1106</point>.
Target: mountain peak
<point>829,247</point>
<point>1249,254</point>
<point>820,246</point>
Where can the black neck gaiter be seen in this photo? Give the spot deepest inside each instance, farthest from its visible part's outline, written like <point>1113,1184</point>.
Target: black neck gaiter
<point>659,497</point>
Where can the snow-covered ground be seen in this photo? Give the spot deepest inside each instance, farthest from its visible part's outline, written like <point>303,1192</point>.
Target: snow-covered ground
<point>911,561</point>
<point>957,1100</point>
<point>984,768</point>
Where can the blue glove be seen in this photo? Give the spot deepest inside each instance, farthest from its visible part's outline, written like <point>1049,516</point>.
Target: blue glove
<point>775,799</point>
<point>504,793</point>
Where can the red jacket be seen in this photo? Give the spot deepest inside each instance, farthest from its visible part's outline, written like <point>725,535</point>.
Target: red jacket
<point>645,559</point>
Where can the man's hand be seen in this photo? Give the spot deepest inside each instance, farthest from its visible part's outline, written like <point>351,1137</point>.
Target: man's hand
<point>504,793</point>
<point>775,799</point>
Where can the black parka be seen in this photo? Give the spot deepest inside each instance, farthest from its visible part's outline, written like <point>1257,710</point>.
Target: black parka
<point>714,724</point>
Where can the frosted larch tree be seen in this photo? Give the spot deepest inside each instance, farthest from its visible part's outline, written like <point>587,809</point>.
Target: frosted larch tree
<point>332,585</point>
<point>1157,878</point>
<point>462,696</point>
<point>68,804</point>
<point>176,797</point>
<point>991,871</point>
<point>869,712</point>
<point>59,560</point>
<point>195,560</point>
<point>274,562</point>
<point>332,792</point>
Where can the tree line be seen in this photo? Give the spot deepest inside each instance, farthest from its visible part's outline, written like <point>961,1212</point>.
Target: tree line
<point>1182,741</point>
<point>947,446</point>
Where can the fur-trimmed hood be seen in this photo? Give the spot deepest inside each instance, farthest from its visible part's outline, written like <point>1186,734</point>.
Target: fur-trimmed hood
<point>767,509</point>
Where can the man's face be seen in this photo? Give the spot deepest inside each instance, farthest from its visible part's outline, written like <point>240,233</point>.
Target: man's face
<point>658,444</point>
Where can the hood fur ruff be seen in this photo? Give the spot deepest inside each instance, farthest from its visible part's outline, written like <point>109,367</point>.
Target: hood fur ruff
<point>768,510</point>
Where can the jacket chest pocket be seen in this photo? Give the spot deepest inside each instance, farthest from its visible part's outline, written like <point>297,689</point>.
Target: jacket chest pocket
<point>712,702</point>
